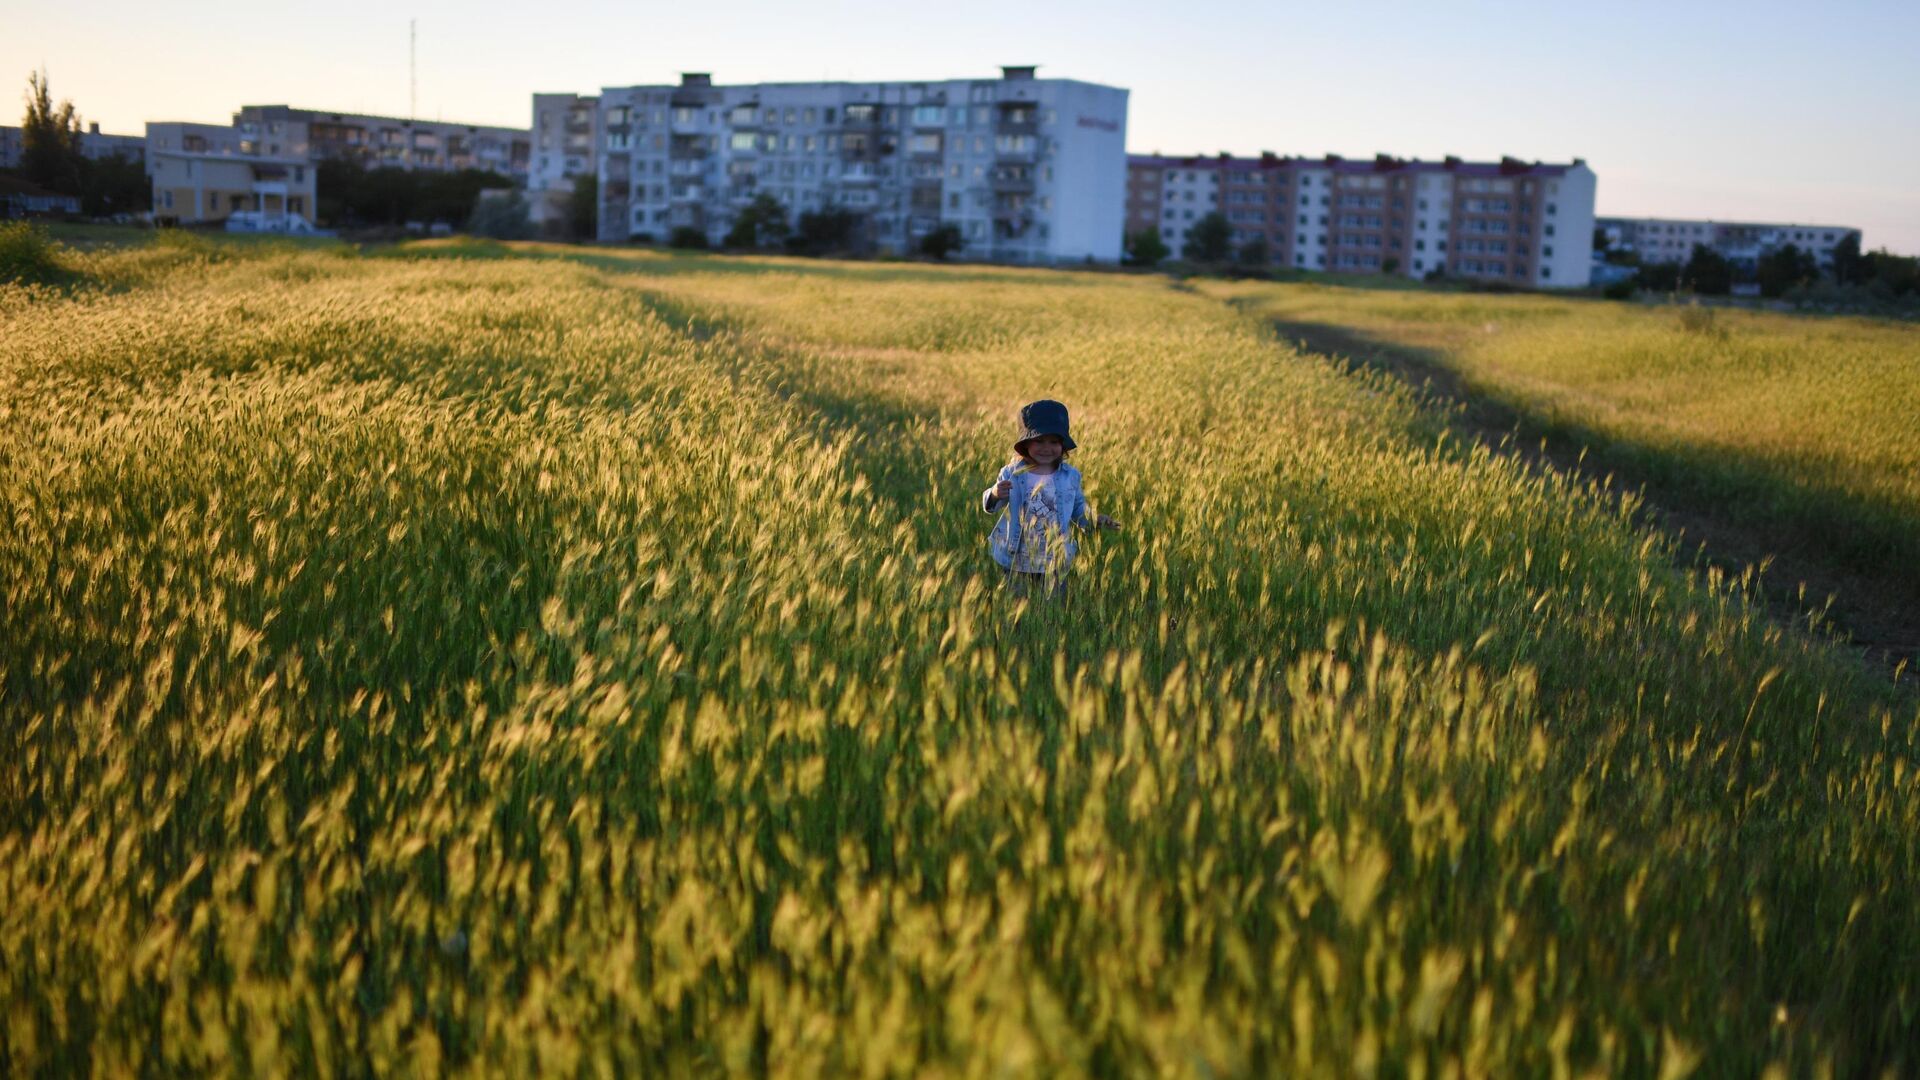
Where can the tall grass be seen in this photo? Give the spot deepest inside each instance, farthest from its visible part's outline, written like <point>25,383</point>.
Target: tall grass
<point>1803,425</point>
<point>521,664</point>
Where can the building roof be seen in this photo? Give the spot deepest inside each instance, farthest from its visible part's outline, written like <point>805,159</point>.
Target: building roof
<point>1383,163</point>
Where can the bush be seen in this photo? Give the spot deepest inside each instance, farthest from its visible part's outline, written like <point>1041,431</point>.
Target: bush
<point>501,218</point>
<point>942,241</point>
<point>29,257</point>
<point>1619,290</point>
<point>687,236</point>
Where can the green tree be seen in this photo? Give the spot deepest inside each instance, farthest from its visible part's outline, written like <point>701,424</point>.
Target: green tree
<point>50,140</point>
<point>1783,268</point>
<point>687,236</point>
<point>1145,248</point>
<point>1660,277</point>
<point>1848,263</point>
<point>762,224</point>
<point>1892,275</point>
<point>942,241</point>
<point>1707,272</point>
<point>1210,240</point>
<point>583,208</point>
<point>114,185</point>
<point>1253,253</point>
<point>501,217</point>
<point>823,231</point>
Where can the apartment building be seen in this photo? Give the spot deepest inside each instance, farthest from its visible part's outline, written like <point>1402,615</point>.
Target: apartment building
<point>1672,240</point>
<point>312,135</point>
<point>93,145</point>
<point>1028,169</point>
<point>565,148</point>
<point>1527,224</point>
<point>273,194</point>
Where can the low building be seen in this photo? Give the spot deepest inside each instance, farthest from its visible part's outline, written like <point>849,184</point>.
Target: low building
<point>271,194</point>
<point>13,146</point>
<point>20,199</point>
<point>1742,243</point>
<point>565,141</point>
<point>1515,222</point>
<point>1027,169</point>
<point>313,135</point>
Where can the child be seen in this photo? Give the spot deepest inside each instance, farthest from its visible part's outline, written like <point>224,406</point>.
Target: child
<point>1042,499</point>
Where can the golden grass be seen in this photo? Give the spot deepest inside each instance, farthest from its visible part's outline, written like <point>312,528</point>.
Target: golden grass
<point>1779,419</point>
<point>514,664</point>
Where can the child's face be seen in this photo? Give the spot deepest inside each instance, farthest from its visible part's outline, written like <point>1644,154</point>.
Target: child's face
<point>1044,450</point>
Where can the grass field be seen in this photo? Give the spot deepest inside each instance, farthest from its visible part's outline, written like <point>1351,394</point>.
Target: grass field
<point>490,660</point>
<point>1803,426</point>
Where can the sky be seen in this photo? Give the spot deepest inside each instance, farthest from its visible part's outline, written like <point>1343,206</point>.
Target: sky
<point>1764,111</point>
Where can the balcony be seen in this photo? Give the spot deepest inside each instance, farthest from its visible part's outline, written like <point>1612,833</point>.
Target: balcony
<point>1012,179</point>
<point>688,147</point>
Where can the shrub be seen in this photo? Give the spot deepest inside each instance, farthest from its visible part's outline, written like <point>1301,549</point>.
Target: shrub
<point>30,257</point>
<point>687,236</point>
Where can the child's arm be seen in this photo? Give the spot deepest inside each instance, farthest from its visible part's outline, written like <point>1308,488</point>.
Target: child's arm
<point>1082,518</point>
<point>996,496</point>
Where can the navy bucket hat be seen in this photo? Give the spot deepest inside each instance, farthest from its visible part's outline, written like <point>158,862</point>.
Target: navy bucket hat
<point>1042,417</point>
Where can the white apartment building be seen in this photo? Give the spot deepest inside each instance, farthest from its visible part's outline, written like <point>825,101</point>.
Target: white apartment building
<point>1030,170</point>
<point>565,148</point>
<point>1672,240</point>
<point>1527,224</point>
<point>382,141</point>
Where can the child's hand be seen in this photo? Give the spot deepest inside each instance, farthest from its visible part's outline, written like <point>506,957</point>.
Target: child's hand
<point>1003,489</point>
<point>1102,521</point>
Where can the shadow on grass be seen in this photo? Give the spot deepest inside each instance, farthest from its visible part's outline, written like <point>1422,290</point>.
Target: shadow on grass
<point>1863,552</point>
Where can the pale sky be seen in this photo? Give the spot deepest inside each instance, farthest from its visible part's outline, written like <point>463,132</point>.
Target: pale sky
<point>1763,111</point>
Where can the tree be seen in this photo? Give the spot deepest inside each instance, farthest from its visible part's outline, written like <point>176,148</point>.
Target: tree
<point>824,231</point>
<point>687,236</point>
<point>583,207</point>
<point>942,241</point>
<point>1662,277</point>
<point>1145,248</point>
<point>762,224</point>
<point>1848,264</point>
<point>1602,243</point>
<point>1210,240</point>
<point>501,217</point>
<point>50,140</point>
<point>114,185</point>
<point>1892,275</point>
<point>1783,268</point>
<point>1707,272</point>
<point>1253,253</point>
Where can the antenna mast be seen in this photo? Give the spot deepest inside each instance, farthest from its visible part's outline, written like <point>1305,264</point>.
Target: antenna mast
<point>413,77</point>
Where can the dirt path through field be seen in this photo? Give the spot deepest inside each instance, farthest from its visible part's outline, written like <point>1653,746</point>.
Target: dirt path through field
<point>1878,619</point>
